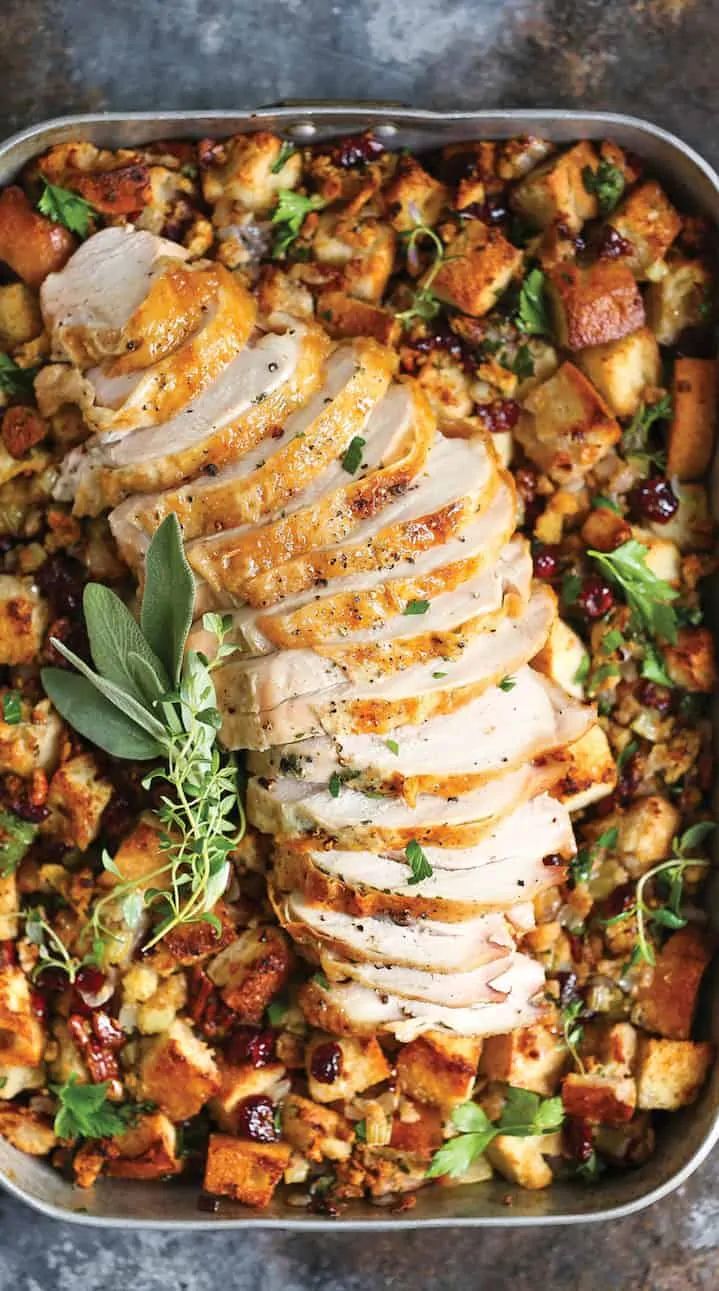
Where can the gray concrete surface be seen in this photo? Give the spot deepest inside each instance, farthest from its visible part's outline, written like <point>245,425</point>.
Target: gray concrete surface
<point>655,58</point>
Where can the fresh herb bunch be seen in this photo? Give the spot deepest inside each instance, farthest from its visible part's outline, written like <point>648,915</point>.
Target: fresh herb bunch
<point>151,700</point>
<point>66,207</point>
<point>524,1114</point>
<point>425,304</point>
<point>665,914</point>
<point>289,215</point>
<point>607,182</point>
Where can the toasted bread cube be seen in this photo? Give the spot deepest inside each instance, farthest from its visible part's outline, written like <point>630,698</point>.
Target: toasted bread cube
<point>157,1013</point>
<point>692,429</point>
<point>137,857</point>
<point>591,772</point>
<point>20,317</point>
<point>565,426</point>
<point>27,1130</point>
<point>555,192</point>
<point>667,1002</point>
<point>281,291</point>
<point>646,219</point>
<point>645,833</point>
<point>245,174</point>
<point>15,1080</point>
<point>532,1058</point>
<point>604,530</point>
<point>479,266</point>
<point>77,798</point>
<point>33,743</point>
<point>316,1131</point>
<point>418,1129</point>
<point>362,1064</point>
<point>594,305</point>
<point>178,1072</point>
<point>438,1069</point>
<point>678,299</point>
<point>66,1060</point>
<point>602,1098</point>
<point>691,662</point>
<point>622,370</point>
<point>663,557</point>
<point>612,1044</point>
<point>251,970</point>
<point>246,1171</point>
<point>346,316</point>
<point>670,1073</point>
<point>23,619</point>
<point>562,658</point>
<point>363,249</point>
<point>22,1038</point>
<point>31,245</point>
<point>412,196</point>
<point>147,1150</point>
<point>238,1082</point>
<point>522,1160</point>
<point>9,906</point>
<point>691,527</point>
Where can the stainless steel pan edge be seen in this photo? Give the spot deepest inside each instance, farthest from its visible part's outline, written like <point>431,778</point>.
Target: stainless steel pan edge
<point>686,1138</point>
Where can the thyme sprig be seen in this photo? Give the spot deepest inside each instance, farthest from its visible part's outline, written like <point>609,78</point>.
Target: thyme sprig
<point>425,304</point>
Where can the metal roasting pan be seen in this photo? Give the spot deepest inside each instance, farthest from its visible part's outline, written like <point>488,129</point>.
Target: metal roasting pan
<point>684,1138</point>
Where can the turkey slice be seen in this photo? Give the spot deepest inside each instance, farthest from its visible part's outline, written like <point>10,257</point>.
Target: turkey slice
<point>349,1008</point>
<point>270,475</point>
<point>445,755</point>
<point>114,400</point>
<point>287,807</point>
<point>98,303</point>
<point>255,716</point>
<point>367,883</point>
<point>487,984</point>
<point>263,385</point>
<point>416,943</point>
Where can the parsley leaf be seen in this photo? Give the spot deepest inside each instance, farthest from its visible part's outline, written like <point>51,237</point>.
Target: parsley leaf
<point>85,1113</point>
<point>416,607</point>
<point>12,707</point>
<point>532,314</point>
<point>66,207</point>
<point>607,182</point>
<point>635,439</point>
<point>522,365</point>
<point>335,784</point>
<point>420,866</point>
<point>15,381</point>
<point>353,455</point>
<point>277,1012</point>
<point>524,1114</point>
<point>286,151</point>
<point>648,596</point>
<point>290,214</point>
<point>507,683</point>
<point>653,668</point>
<point>16,836</point>
<point>626,754</point>
<point>393,747</point>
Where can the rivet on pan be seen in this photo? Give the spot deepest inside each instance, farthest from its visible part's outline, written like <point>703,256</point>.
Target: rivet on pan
<point>386,130</point>
<point>303,130</point>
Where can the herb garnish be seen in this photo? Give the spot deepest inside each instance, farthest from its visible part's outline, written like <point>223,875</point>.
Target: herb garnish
<point>66,207</point>
<point>416,607</point>
<point>580,869</point>
<point>290,214</point>
<point>532,314</point>
<point>606,182</point>
<point>335,784</point>
<point>85,1113</point>
<point>15,381</point>
<point>425,304</point>
<point>524,1114</point>
<point>668,913</point>
<point>507,683</point>
<point>286,151</point>
<point>635,439</point>
<point>16,835</point>
<point>647,595</point>
<point>393,747</point>
<point>420,866</point>
<point>353,454</point>
<point>573,1030</point>
<point>147,700</point>
<point>12,707</point>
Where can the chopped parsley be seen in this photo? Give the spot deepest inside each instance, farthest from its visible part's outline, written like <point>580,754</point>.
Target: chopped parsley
<point>580,869</point>
<point>16,836</point>
<point>393,747</point>
<point>15,381</point>
<point>532,313</point>
<point>335,784</point>
<point>12,707</point>
<point>507,683</point>
<point>606,182</point>
<point>290,214</point>
<point>420,866</point>
<point>416,607</point>
<point>353,456</point>
<point>66,207</point>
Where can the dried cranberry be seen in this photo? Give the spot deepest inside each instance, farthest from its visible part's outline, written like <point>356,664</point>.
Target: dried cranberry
<point>38,1003</point>
<point>552,860</point>
<point>651,695</point>
<point>251,1045</point>
<point>655,499</point>
<point>500,415</point>
<point>440,337</point>
<point>256,1119</point>
<point>326,1065</point>
<point>546,563</point>
<point>357,150</point>
<point>62,580</point>
<point>89,980</point>
<point>578,1140</point>
<point>8,954</point>
<point>52,979</point>
<point>595,597</point>
<point>612,245</point>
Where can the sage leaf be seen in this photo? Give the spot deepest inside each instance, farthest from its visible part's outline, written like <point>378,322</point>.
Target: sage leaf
<point>169,596</point>
<point>97,718</point>
<point>116,642</point>
<point>115,694</point>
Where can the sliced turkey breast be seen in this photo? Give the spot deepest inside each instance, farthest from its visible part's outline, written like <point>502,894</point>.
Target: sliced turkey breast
<point>99,302</point>
<point>255,715</point>
<point>487,984</point>
<point>333,500</point>
<point>263,385</point>
<point>287,807</point>
<point>349,1008</point>
<point>445,755</point>
<point>415,943</point>
<point>268,476</point>
<point>366,883</point>
<point>113,399</point>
